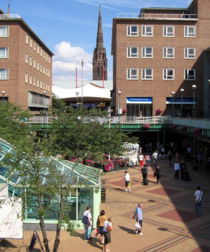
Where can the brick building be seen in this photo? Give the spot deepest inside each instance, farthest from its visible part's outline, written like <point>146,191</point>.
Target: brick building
<point>25,65</point>
<point>159,58</point>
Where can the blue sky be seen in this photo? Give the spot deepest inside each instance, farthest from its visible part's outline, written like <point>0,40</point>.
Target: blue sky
<point>69,28</point>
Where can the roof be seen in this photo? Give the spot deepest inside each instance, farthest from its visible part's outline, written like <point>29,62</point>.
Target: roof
<point>17,18</point>
<point>164,8</point>
<point>79,174</point>
<point>89,90</point>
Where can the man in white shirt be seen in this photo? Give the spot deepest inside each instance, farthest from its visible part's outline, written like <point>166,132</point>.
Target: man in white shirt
<point>87,221</point>
<point>198,195</point>
<point>127,181</point>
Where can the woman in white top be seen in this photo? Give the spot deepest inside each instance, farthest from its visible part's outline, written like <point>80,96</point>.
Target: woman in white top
<point>127,181</point>
<point>198,195</point>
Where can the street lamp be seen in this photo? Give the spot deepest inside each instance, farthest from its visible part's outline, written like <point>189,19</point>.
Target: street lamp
<point>194,87</point>
<point>82,63</point>
<point>182,94</point>
<point>119,93</point>
<point>77,93</point>
<point>44,93</point>
<point>173,94</point>
<point>3,94</point>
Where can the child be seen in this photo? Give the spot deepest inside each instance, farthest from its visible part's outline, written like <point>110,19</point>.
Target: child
<point>127,181</point>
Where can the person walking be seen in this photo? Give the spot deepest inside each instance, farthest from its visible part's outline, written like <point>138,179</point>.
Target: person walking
<point>169,155</point>
<point>138,215</point>
<point>147,158</point>
<point>100,225</point>
<point>127,181</point>
<point>198,195</point>
<point>87,221</point>
<point>176,169</point>
<point>141,160</point>
<point>144,174</point>
<point>107,235</point>
<point>157,173</point>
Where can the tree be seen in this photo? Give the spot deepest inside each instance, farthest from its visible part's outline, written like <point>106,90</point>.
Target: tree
<point>74,133</point>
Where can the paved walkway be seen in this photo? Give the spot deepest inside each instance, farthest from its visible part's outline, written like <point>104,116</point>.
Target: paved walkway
<point>169,223</point>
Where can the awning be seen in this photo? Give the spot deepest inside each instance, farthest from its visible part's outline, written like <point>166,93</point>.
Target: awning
<point>180,100</point>
<point>139,100</point>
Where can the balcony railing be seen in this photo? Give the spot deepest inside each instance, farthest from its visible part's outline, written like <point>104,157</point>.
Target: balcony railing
<point>9,16</point>
<point>158,15</point>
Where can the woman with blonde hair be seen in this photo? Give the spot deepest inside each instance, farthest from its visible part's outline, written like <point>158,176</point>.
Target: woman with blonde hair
<point>107,235</point>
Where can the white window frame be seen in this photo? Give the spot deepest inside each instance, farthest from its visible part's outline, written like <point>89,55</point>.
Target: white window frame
<point>145,75</point>
<point>34,63</point>
<point>5,54</point>
<point>4,74</point>
<point>26,58</point>
<point>34,81</point>
<point>37,49</point>
<point>40,84</point>
<point>187,76</point>
<point>131,54</point>
<point>5,31</point>
<point>166,33</point>
<point>27,38</point>
<point>167,54</point>
<point>37,66</point>
<point>187,55</point>
<point>145,54</point>
<point>30,79</point>
<point>37,83</point>
<point>187,33</point>
<point>130,33</point>
<point>31,61</point>
<point>31,43</point>
<point>34,46</point>
<point>26,77</point>
<point>144,31</point>
<point>166,75</point>
<point>131,75</point>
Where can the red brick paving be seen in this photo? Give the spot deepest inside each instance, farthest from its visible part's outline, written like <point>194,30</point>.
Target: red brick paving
<point>179,215</point>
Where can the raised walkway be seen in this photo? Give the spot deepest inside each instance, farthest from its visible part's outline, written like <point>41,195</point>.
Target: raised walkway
<point>169,223</point>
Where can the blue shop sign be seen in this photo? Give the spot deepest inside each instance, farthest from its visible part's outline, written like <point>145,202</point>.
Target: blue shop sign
<point>139,100</point>
<point>180,100</point>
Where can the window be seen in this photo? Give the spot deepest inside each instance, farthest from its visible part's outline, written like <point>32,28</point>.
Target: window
<point>26,38</point>
<point>132,30</point>
<point>189,53</point>
<point>41,51</point>
<point>168,74</point>
<point>4,31</point>
<point>43,70</point>
<point>132,52</point>
<point>43,55</point>
<point>34,63</point>
<point>132,74</point>
<point>168,31</point>
<point>31,43</point>
<point>26,77</point>
<point>3,52</point>
<point>3,74</point>
<point>26,58</point>
<point>34,46</point>
<point>37,83</point>
<point>189,74</point>
<point>189,31</point>
<point>37,66</point>
<point>168,52</point>
<point>31,61</point>
<point>147,30</point>
<point>30,79</point>
<point>147,52</point>
<point>37,49</point>
<point>147,74</point>
<point>34,81</point>
<point>40,84</point>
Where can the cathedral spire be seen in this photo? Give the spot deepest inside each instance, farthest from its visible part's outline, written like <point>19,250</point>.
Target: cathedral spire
<point>99,41</point>
<point>99,56</point>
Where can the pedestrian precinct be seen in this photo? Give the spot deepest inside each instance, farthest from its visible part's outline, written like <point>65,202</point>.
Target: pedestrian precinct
<point>87,221</point>
<point>157,173</point>
<point>127,181</point>
<point>100,225</point>
<point>138,215</point>
<point>107,235</point>
<point>198,195</point>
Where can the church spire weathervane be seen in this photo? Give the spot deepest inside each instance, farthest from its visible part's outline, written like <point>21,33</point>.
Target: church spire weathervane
<point>99,57</point>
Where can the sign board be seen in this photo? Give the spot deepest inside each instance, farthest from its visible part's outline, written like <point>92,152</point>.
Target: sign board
<point>11,224</point>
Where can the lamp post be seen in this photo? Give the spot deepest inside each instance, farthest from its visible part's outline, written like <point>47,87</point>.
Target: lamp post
<point>182,94</point>
<point>3,94</point>
<point>44,93</point>
<point>194,87</point>
<point>119,92</point>
<point>173,94</point>
<point>82,63</point>
<point>77,93</point>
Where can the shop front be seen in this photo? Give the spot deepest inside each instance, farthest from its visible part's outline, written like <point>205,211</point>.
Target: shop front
<point>178,106</point>
<point>139,106</point>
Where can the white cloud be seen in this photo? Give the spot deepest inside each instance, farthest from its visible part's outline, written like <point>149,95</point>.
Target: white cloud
<point>67,58</point>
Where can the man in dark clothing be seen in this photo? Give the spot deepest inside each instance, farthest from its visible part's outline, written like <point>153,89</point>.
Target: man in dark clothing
<point>157,173</point>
